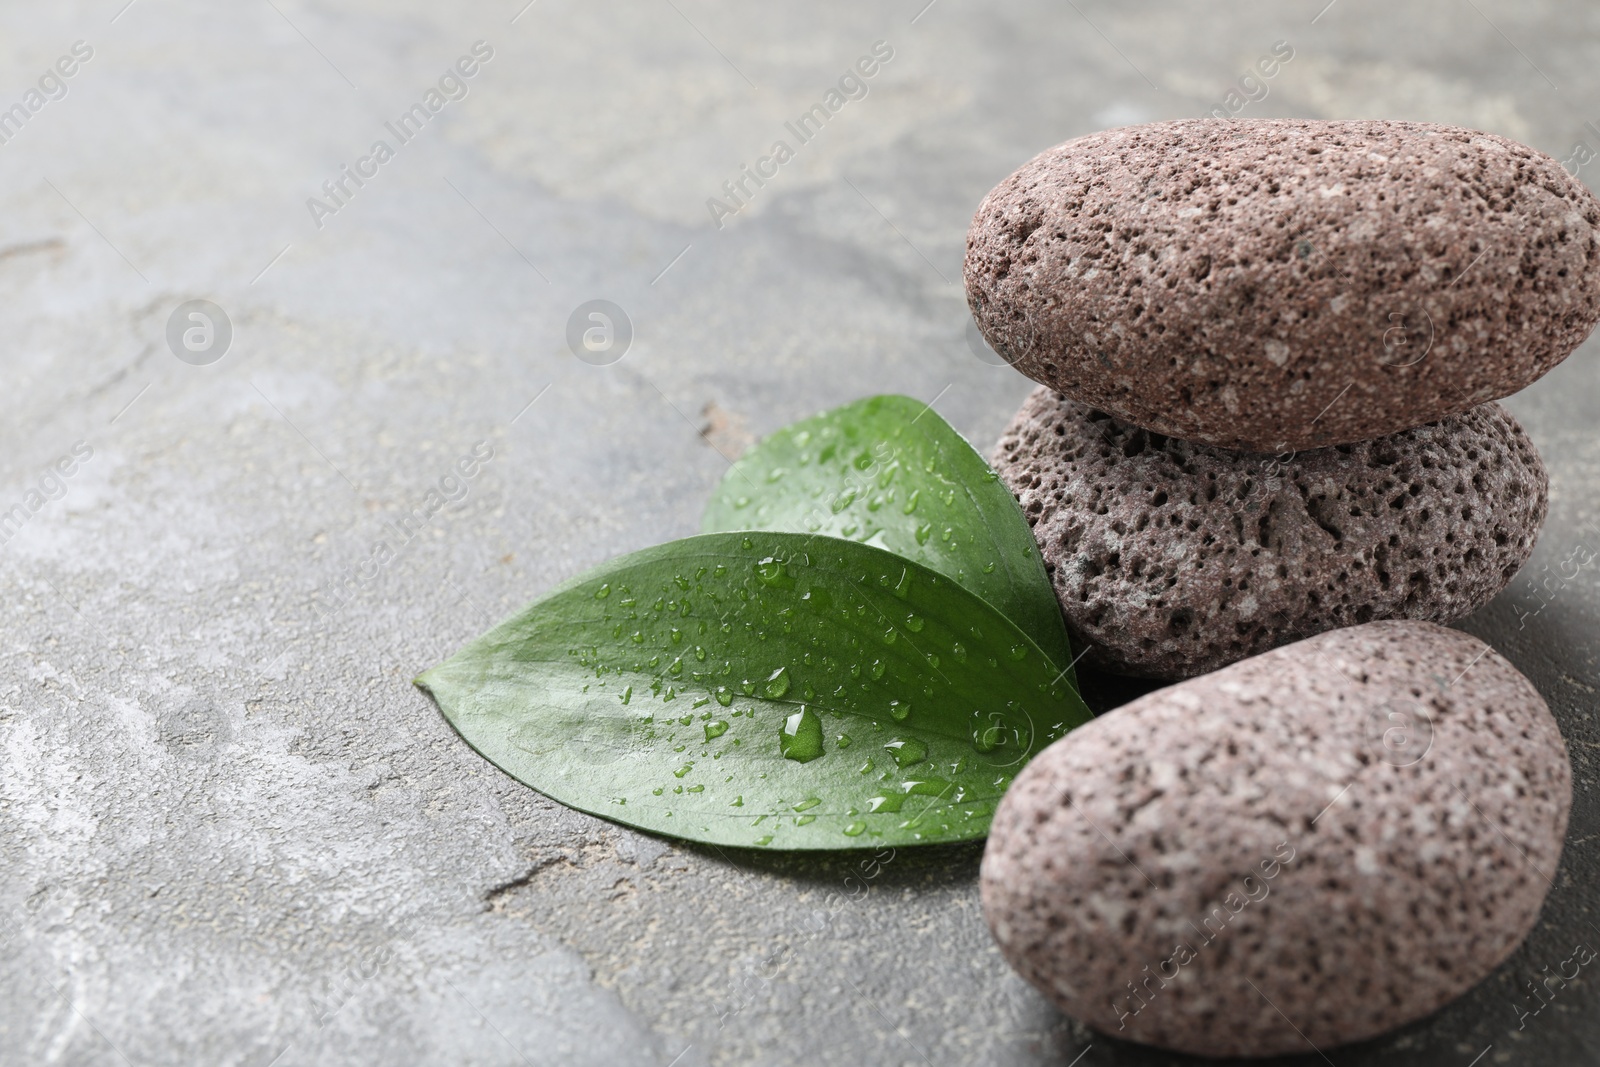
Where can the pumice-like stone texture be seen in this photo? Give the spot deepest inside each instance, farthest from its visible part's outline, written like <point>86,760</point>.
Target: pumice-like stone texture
<point>1172,559</point>
<point>1307,848</point>
<point>1271,285</point>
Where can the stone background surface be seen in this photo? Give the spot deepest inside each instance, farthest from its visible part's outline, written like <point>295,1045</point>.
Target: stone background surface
<point>231,832</point>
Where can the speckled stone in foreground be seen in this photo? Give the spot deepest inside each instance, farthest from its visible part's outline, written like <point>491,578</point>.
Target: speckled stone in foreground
<point>1281,284</point>
<point>1307,848</point>
<point>1172,559</point>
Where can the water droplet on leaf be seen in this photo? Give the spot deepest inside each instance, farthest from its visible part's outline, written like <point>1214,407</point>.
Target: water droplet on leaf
<point>800,738</point>
<point>907,751</point>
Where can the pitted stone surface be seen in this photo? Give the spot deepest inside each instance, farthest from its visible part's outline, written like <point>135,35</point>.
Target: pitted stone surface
<point>1172,559</point>
<point>1285,284</point>
<point>1307,848</point>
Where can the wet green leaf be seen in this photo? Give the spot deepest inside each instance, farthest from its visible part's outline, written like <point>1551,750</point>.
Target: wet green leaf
<point>888,471</point>
<point>763,689</point>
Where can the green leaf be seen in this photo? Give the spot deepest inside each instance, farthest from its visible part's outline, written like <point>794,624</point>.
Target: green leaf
<point>888,471</point>
<point>763,689</point>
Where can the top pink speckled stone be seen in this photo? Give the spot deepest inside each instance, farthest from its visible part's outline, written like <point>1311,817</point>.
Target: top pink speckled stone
<point>1272,285</point>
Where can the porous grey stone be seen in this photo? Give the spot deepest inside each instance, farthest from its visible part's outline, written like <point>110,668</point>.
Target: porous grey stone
<point>1172,559</point>
<point>1281,284</point>
<point>1307,848</point>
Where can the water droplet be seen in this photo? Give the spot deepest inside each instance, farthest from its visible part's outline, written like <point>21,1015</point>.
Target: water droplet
<point>657,791</point>
<point>746,544</point>
<point>890,635</point>
<point>898,711</point>
<point>988,731</point>
<point>686,720</point>
<point>716,729</point>
<point>878,667</point>
<point>907,751</point>
<point>676,636</point>
<point>747,687</point>
<point>603,592</point>
<point>911,501</point>
<point>777,683</point>
<point>800,738</point>
<point>681,771</point>
<point>924,531</point>
<point>988,568</point>
<point>769,570</point>
<point>889,803</point>
<point>855,829</point>
<point>1019,651</point>
<point>914,623</point>
<point>695,789</point>
<point>959,651</point>
<point>807,804</point>
<point>802,820</point>
<point>738,802</point>
<point>724,695</point>
<point>627,694</point>
<point>843,741</point>
<point>638,638</point>
<point>903,586</point>
<point>765,839</point>
<point>928,787</point>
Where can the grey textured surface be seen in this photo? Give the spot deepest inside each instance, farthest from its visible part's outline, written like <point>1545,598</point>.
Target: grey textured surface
<point>231,830</point>
<point>1290,850</point>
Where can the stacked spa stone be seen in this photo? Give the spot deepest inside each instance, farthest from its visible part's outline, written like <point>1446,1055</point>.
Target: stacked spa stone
<point>1269,353</point>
